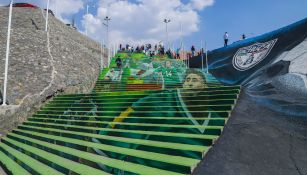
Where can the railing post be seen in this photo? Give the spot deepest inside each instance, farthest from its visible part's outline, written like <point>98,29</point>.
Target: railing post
<point>202,55</point>
<point>207,65</point>
<point>7,55</point>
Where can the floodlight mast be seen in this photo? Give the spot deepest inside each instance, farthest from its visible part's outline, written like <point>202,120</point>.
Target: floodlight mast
<point>166,21</point>
<point>107,19</point>
<point>86,24</point>
<point>47,16</point>
<point>7,55</point>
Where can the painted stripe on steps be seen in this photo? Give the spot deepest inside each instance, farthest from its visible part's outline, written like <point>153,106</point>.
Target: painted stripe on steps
<point>12,166</point>
<point>141,106</point>
<point>176,160</point>
<point>214,96</point>
<point>34,164</point>
<point>151,143</point>
<point>142,92</point>
<point>123,97</point>
<point>112,102</point>
<point>131,124</point>
<point>129,117</point>
<point>217,89</point>
<point>127,166</point>
<point>167,134</point>
<point>227,111</point>
<point>60,161</point>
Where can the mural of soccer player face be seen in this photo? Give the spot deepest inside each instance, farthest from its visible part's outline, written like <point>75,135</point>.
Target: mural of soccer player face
<point>193,81</point>
<point>168,64</point>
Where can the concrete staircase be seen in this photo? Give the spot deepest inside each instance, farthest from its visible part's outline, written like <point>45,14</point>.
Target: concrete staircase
<point>124,126</point>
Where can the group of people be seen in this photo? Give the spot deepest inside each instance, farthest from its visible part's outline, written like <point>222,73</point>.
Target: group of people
<point>159,49</point>
<point>147,49</point>
<point>226,38</point>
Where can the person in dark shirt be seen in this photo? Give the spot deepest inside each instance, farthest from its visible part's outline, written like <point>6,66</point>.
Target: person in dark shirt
<point>243,36</point>
<point>193,51</point>
<point>118,62</point>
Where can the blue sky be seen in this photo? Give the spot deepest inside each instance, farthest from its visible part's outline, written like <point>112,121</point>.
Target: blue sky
<point>251,17</point>
<point>205,20</point>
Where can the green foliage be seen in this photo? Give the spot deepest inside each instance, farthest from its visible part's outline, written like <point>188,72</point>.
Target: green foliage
<point>103,73</point>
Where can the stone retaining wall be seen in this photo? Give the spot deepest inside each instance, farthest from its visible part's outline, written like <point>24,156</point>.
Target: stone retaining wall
<point>43,64</point>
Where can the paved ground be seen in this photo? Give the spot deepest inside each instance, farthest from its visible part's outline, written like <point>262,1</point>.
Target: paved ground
<point>258,141</point>
<point>2,172</point>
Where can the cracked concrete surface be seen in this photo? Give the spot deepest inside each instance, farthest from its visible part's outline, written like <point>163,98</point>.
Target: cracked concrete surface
<point>2,171</point>
<point>258,141</point>
<point>291,152</point>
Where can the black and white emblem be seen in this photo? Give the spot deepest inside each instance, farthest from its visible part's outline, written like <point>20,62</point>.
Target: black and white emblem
<point>250,56</point>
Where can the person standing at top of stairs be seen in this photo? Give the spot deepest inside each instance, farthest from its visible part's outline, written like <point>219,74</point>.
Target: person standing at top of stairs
<point>118,62</point>
<point>226,37</point>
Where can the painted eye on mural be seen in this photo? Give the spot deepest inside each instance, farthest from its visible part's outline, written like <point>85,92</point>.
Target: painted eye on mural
<point>195,80</point>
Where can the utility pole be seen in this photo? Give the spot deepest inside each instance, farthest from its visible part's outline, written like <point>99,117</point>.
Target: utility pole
<point>181,38</point>
<point>114,49</point>
<point>86,23</point>
<point>47,16</point>
<point>166,21</point>
<point>56,9</point>
<point>107,19</point>
<point>207,65</point>
<point>202,55</point>
<point>7,55</point>
<point>102,56</point>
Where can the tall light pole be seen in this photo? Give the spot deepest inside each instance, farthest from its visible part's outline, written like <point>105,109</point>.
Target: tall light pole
<point>181,38</point>
<point>86,23</point>
<point>102,55</point>
<point>107,19</point>
<point>166,21</point>
<point>207,65</point>
<point>56,9</point>
<point>47,16</point>
<point>7,54</point>
<point>202,55</point>
<point>86,20</point>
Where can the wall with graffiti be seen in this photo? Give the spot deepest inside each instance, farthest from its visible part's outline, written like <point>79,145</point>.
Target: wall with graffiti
<point>271,67</point>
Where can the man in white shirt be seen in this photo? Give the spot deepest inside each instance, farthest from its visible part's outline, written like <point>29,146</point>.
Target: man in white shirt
<point>226,39</point>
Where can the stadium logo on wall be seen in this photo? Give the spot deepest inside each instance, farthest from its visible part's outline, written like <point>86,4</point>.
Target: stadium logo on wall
<point>250,56</point>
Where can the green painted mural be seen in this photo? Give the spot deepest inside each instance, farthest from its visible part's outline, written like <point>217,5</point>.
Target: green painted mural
<point>146,115</point>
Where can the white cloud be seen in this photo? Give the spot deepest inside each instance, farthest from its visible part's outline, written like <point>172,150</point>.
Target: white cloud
<point>133,21</point>
<point>201,4</point>
<point>63,9</point>
<point>141,21</point>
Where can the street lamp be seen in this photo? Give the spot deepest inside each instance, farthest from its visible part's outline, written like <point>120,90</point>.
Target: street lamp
<point>102,55</point>
<point>47,16</point>
<point>207,64</point>
<point>7,54</point>
<point>107,19</point>
<point>166,21</point>
<point>86,22</point>
<point>202,55</point>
